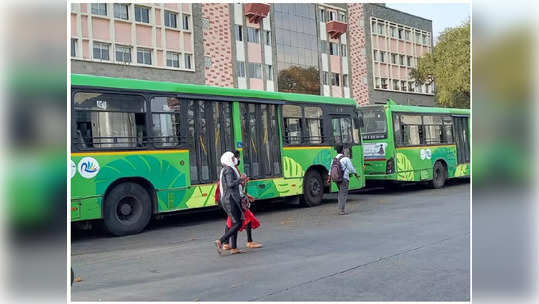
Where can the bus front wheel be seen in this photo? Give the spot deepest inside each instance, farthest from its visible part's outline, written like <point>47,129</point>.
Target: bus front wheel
<point>313,188</point>
<point>127,209</point>
<point>439,175</point>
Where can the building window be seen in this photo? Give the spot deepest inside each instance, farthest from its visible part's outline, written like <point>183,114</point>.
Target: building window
<point>403,85</point>
<point>407,35</point>
<point>424,39</point>
<point>400,32</point>
<point>376,55</point>
<point>409,61</point>
<point>377,82</point>
<point>331,15</point>
<point>345,80</point>
<point>323,47</point>
<point>322,15</point>
<point>253,35</point>
<point>396,85</point>
<point>417,37</point>
<point>171,19</point>
<point>269,72</point>
<point>99,9</point>
<point>384,83</point>
<point>254,70</point>
<point>238,32</point>
<point>410,86</point>
<point>393,31</point>
<point>343,50</point>
<point>186,22</point>
<point>123,54</point>
<point>73,47</point>
<point>173,59</point>
<point>142,14</point>
<point>427,89</point>
<point>381,30</point>
<point>335,81</point>
<point>325,78</point>
<point>342,17</point>
<point>419,88</point>
<point>241,69</point>
<point>101,51</point>
<point>401,60</point>
<point>144,56</point>
<point>121,11</point>
<point>333,49</point>
<point>383,57</point>
<point>188,58</point>
<point>393,58</point>
<point>267,35</point>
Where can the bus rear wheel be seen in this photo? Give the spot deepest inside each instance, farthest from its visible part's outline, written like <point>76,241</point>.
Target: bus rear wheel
<point>439,175</point>
<point>127,209</point>
<point>313,188</point>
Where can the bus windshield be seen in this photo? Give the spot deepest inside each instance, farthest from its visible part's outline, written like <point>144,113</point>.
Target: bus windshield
<point>374,123</point>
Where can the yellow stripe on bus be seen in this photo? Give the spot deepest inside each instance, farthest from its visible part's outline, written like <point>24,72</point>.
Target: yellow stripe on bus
<point>305,148</point>
<point>129,152</point>
<point>425,147</point>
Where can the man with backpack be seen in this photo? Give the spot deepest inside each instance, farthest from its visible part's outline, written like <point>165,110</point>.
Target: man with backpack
<point>341,168</point>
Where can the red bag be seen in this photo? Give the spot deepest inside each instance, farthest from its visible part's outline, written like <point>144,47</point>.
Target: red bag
<point>249,218</point>
<point>217,193</point>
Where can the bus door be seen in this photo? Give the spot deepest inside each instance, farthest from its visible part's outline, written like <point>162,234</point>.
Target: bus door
<point>462,138</point>
<point>209,128</point>
<point>345,131</point>
<point>260,140</point>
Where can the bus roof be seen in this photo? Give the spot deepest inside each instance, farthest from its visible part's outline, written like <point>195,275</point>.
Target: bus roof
<point>173,87</point>
<point>394,107</point>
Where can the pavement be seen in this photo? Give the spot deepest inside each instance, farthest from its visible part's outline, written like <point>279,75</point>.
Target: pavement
<point>409,244</point>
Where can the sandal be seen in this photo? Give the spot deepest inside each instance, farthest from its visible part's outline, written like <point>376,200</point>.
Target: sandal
<point>254,245</point>
<point>226,246</point>
<point>219,247</point>
<point>235,251</point>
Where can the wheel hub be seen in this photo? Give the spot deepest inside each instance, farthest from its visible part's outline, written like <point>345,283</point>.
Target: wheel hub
<point>126,209</point>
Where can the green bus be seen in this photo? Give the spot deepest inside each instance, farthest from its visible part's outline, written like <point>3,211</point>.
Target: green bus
<point>415,144</point>
<point>141,148</point>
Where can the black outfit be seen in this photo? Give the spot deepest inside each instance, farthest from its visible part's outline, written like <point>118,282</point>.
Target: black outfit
<point>231,203</point>
<point>248,230</point>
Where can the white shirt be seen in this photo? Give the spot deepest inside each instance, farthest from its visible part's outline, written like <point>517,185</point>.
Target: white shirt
<point>346,165</point>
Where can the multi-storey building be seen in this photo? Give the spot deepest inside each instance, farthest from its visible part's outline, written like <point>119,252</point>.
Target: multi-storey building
<point>364,51</point>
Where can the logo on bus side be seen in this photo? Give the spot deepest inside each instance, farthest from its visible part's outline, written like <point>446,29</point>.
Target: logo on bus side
<point>73,168</point>
<point>425,153</point>
<point>88,167</point>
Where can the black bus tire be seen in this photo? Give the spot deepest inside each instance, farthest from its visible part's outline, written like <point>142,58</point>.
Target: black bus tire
<point>439,175</point>
<point>127,209</point>
<point>313,188</point>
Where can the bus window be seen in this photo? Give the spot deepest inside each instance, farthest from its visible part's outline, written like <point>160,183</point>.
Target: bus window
<point>313,121</point>
<point>292,124</point>
<point>108,121</point>
<point>342,130</point>
<point>432,126</point>
<point>166,118</point>
<point>447,134</point>
<point>374,123</point>
<point>410,130</point>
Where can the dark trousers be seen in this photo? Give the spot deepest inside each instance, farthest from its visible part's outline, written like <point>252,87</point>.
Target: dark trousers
<point>248,230</point>
<point>232,233</point>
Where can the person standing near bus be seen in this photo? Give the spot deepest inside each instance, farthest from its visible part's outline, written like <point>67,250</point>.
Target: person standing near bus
<point>340,171</point>
<point>250,222</point>
<point>229,187</point>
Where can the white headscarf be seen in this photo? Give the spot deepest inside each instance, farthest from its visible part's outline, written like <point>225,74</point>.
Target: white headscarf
<point>227,160</point>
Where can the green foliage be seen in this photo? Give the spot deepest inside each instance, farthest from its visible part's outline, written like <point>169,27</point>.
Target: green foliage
<point>449,67</point>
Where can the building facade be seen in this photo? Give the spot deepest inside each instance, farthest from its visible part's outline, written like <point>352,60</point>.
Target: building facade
<point>363,51</point>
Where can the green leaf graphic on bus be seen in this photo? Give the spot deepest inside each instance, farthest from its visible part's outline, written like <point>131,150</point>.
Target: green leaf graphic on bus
<point>291,168</point>
<point>324,158</point>
<point>461,170</point>
<point>404,168</point>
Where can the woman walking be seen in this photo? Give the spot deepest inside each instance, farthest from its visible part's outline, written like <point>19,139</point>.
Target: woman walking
<point>229,187</point>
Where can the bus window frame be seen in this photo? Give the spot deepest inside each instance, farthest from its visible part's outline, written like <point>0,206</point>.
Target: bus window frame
<point>378,135</point>
<point>422,129</point>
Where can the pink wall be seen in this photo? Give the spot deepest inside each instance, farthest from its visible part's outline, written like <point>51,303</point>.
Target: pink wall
<point>254,52</point>
<point>384,70</point>
<point>382,43</point>
<point>172,39</point>
<point>160,58</point>
<point>395,71</point>
<point>144,35</point>
<point>376,68</point>
<point>401,46</point>
<point>158,16</point>
<point>158,37</point>
<point>86,49</point>
<point>256,84</point>
<point>186,7</point>
<point>172,6</point>
<point>83,7</point>
<point>404,74</point>
<point>374,42</point>
<point>394,46</point>
<point>249,24</point>
<point>409,50</point>
<point>73,24</point>
<point>335,63</point>
<point>84,26</point>
<point>122,32</point>
<point>336,91</point>
<point>187,42</point>
<point>100,29</point>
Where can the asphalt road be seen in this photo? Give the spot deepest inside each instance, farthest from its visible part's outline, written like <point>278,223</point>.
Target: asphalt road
<point>405,245</point>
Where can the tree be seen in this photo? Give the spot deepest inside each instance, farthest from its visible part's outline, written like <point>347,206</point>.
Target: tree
<point>300,80</point>
<point>448,65</point>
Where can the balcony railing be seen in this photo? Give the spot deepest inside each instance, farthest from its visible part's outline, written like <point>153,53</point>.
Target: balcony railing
<point>256,11</point>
